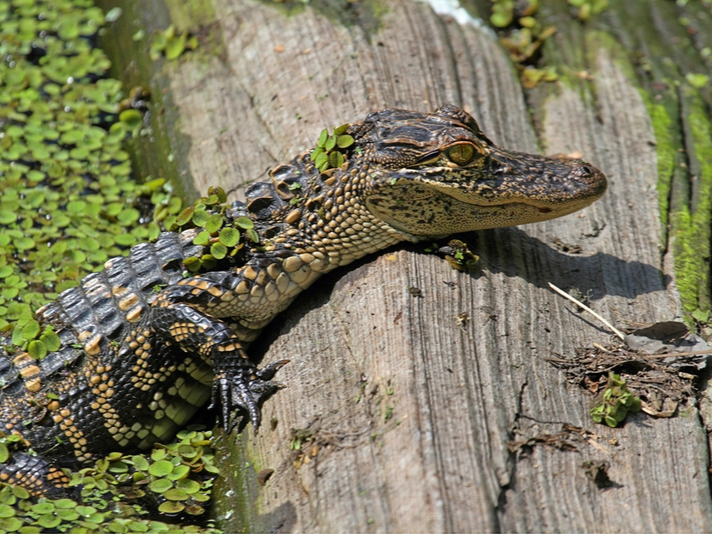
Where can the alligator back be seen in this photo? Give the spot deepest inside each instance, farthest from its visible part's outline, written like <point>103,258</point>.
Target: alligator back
<point>111,384</point>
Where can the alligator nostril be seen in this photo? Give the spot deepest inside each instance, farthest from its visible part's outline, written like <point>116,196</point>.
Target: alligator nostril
<point>583,170</point>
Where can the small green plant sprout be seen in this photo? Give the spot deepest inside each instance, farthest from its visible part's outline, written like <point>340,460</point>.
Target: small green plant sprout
<point>588,8</point>
<point>171,44</point>
<point>330,149</point>
<point>221,240</point>
<point>697,81</point>
<point>617,400</point>
<point>503,12</point>
<point>457,255</point>
<point>523,36</point>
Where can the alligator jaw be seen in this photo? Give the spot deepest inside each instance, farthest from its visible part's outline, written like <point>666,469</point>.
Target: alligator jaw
<point>505,189</point>
<point>553,185</point>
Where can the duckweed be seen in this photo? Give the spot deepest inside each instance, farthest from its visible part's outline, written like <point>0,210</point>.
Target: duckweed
<point>522,35</point>
<point>222,240</point>
<point>171,44</point>
<point>330,149</point>
<point>68,201</point>
<point>615,403</point>
<point>179,476</point>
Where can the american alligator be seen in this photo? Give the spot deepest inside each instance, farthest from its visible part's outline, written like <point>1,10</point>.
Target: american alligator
<point>136,363</point>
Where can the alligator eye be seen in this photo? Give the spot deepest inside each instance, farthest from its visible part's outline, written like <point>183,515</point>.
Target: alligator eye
<point>461,154</point>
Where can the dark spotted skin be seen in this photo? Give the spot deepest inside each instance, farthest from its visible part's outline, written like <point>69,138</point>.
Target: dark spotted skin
<point>143,346</point>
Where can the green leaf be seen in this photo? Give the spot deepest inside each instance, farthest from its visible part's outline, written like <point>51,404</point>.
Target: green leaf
<point>188,485</point>
<point>67,515</point>
<point>323,136</point>
<point>6,511</point>
<point>219,192</point>
<point>113,14</point>
<point>316,153</point>
<point>501,19</point>
<point>341,129</point>
<point>125,240</point>
<point>65,504</point>
<point>7,217</point>
<point>229,237</point>
<point>171,507</point>
<point>214,223</point>
<point>336,159</point>
<point>527,22</point>
<point>218,250</point>
<point>330,143</point>
<point>321,161</point>
<point>49,521</point>
<point>132,119</point>
<point>200,217</point>
<point>128,217</point>
<point>176,494</point>
<point>697,80</point>
<point>202,239</point>
<point>37,349</point>
<point>43,508</point>
<point>193,264</point>
<point>160,468</point>
<point>185,216</point>
<point>344,141</point>
<point>701,316</point>
<point>160,485</point>
<point>51,340</point>
<point>31,330</point>
<point>20,493</point>
<point>244,222</point>
<point>252,234</point>
<point>17,338</point>
<point>23,243</point>
<point>140,462</point>
<point>175,47</point>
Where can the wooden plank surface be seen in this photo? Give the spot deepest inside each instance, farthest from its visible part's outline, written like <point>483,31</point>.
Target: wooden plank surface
<point>410,410</point>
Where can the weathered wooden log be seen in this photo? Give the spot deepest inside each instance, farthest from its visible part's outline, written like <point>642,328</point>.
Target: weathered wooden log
<point>403,406</point>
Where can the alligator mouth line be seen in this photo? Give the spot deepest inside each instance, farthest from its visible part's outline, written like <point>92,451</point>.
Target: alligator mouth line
<point>566,203</point>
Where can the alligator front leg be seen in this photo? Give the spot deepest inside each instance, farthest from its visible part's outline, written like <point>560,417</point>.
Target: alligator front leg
<point>194,313</point>
<point>184,316</point>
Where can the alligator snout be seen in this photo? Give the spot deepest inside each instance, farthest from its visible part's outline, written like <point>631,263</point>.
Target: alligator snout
<point>589,176</point>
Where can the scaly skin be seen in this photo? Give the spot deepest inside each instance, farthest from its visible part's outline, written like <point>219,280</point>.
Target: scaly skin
<point>136,363</point>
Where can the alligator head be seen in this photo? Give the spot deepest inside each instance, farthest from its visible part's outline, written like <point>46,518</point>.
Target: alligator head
<point>435,174</point>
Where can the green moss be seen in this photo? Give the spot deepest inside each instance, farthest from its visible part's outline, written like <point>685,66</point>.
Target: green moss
<point>665,149</point>
<point>188,14</point>
<point>692,223</point>
<point>235,511</point>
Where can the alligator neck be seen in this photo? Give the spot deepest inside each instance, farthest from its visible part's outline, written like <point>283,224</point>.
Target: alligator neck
<point>306,211</point>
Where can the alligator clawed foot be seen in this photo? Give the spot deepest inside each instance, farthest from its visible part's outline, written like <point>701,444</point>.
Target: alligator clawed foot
<point>245,393</point>
<point>268,372</point>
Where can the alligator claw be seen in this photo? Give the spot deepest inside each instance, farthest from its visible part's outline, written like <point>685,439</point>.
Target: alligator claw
<point>245,393</point>
<point>268,372</point>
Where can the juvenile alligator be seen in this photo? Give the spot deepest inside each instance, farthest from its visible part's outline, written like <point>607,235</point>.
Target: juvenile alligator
<point>136,363</point>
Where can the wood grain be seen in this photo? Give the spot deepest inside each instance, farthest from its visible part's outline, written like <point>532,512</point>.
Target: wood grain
<point>411,411</point>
